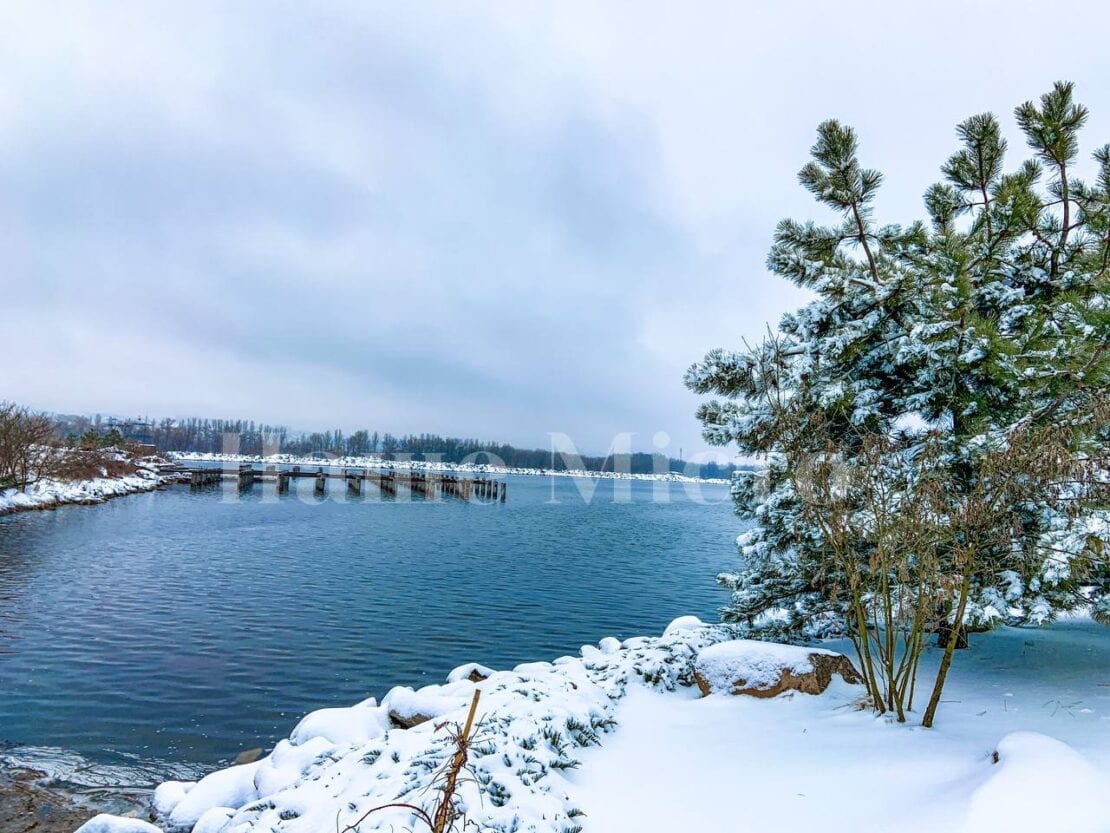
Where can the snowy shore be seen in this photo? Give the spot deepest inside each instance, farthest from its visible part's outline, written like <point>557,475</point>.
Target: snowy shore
<point>50,494</point>
<point>372,461</point>
<point>618,740</point>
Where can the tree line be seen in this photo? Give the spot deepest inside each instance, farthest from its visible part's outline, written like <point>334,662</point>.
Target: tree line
<point>255,438</point>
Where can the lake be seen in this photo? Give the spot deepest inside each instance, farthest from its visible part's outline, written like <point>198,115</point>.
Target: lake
<point>183,626</point>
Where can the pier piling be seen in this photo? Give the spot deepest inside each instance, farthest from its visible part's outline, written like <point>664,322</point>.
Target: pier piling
<point>432,485</point>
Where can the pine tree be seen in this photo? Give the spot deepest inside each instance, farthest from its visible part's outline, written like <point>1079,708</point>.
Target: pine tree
<point>987,323</point>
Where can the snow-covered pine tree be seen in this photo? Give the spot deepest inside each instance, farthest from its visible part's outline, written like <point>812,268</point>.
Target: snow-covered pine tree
<point>989,319</point>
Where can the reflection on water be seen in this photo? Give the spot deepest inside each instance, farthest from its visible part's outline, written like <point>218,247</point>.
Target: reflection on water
<point>179,627</point>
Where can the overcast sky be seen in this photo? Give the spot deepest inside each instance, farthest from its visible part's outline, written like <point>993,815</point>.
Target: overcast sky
<point>481,220</point>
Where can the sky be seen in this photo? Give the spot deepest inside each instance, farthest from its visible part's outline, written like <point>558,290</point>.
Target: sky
<point>494,220</point>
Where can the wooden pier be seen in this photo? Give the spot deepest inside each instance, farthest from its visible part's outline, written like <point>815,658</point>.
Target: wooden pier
<point>429,485</point>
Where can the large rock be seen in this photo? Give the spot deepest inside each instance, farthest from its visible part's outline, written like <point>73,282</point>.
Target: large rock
<point>472,671</point>
<point>406,708</point>
<point>407,721</point>
<point>766,669</point>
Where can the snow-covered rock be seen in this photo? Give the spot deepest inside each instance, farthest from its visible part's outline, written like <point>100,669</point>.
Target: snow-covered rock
<point>214,820</point>
<point>105,823</point>
<point>683,624</point>
<point>766,669</point>
<point>609,645</point>
<point>357,724</point>
<point>230,787</point>
<point>407,708</point>
<point>470,671</point>
<point>169,795</point>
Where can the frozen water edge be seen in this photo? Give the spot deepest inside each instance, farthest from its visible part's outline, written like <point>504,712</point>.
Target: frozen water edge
<point>121,786</point>
<point>616,740</point>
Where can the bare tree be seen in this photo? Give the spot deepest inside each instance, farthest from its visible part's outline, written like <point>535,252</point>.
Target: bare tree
<point>28,446</point>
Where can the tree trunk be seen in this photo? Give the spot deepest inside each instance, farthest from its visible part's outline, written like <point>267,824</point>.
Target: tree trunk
<point>949,650</point>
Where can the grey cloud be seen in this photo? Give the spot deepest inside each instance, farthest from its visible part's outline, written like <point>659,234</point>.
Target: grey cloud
<point>479,221</point>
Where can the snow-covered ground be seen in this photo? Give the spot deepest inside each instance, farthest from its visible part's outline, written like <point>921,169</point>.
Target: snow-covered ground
<point>1040,698</point>
<point>430,465</point>
<point>619,740</point>
<point>46,494</point>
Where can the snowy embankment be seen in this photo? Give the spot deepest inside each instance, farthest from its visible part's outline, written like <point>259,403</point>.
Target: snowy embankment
<point>430,465</point>
<point>618,740</point>
<point>49,494</point>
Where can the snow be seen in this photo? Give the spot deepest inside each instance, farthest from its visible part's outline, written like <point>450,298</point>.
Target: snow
<point>430,702</point>
<point>47,494</point>
<point>1032,767</point>
<point>723,763</point>
<point>375,462</point>
<point>105,823</point>
<point>234,786</point>
<point>535,720</point>
<point>618,740</point>
<point>463,672</point>
<point>214,820</point>
<point>609,645</point>
<point>169,795</point>
<point>683,624</point>
<point>360,724</point>
<point>757,664</point>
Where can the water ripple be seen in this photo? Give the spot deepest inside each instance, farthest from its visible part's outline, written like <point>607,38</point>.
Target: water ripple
<point>174,626</point>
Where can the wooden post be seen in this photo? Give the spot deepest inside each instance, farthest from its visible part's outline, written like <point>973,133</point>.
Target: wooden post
<point>504,485</point>
<point>321,482</point>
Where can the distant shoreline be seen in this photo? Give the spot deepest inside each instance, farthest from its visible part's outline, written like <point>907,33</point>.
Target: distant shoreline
<point>372,461</point>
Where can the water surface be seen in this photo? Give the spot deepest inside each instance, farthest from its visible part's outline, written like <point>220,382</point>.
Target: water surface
<point>176,626</point>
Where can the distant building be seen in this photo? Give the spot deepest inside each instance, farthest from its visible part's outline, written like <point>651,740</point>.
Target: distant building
<point>134,430</point>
